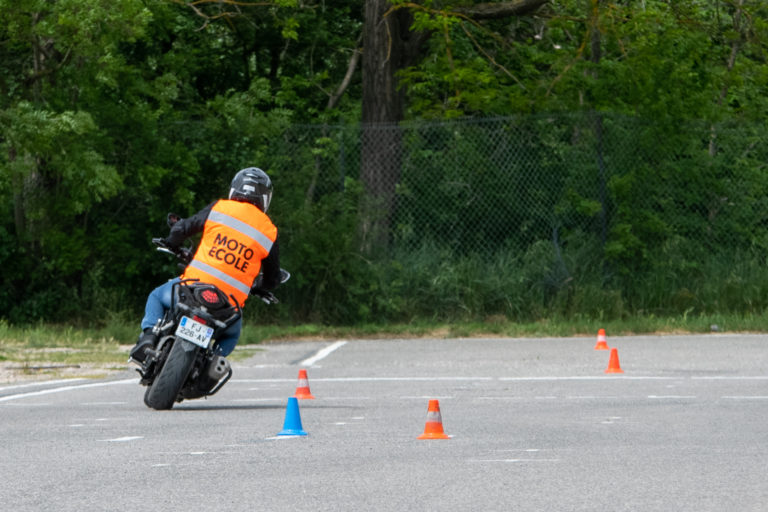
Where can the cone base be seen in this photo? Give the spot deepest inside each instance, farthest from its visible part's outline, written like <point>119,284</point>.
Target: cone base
<point>433,436</point>
<point>601,346</point>
<point>614,370</point>
<point>304,396</point>
<point>292,432</point>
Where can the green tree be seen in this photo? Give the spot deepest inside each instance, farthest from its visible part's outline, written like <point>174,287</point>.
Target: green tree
<point>55,162</point>
<point>666,62</point>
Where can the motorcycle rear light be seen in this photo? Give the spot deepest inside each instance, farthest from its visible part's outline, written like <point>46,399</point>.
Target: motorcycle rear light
<point>198,319</point>
<point>210,296</point>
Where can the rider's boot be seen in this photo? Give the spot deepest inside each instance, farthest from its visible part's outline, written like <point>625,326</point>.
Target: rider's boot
<point>147,340</point>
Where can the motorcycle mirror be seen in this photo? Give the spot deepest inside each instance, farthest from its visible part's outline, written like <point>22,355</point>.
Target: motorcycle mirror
<point>173,219</point>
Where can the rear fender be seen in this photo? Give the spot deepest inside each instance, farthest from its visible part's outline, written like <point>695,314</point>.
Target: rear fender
<point>187,346</point>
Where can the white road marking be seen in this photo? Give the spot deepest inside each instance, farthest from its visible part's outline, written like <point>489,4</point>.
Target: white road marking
<point>585,377</point>
<point>492,379</point>
<point>66,388</point>
<point>673,397</point>
<point>123,439</point>
<point>346,398</point>
<point>41,383</point>
<point>514,460</point>
<point>594,397</point>
<point>375,379</point>
<point>731,377</point>
<point>281,399</point>
<point>326,351</point>
<point>502,398</point>
<point>322,354</point>
<point>261,366</point>
<point>426,397</point>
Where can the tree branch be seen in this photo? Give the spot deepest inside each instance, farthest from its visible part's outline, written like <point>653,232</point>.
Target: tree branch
<point>496,10</point>
<point>489,57</point>
<point>347,78</point>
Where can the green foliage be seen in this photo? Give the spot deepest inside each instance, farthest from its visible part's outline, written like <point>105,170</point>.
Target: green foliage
<point>648,195</point>
<point>74,175</point>
<point>110,116</point>
<point>656,59</point>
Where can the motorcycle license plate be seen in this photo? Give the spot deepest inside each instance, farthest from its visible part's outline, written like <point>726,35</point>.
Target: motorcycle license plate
<point>194,332</point>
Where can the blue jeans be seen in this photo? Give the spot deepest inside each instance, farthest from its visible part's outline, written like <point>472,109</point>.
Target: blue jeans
<point>159,301</point>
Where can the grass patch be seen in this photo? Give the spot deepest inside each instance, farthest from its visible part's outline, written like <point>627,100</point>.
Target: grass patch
<point>42,344</point>
<point>498,325</point>
<point>243,353</point>
<point>39,345</point>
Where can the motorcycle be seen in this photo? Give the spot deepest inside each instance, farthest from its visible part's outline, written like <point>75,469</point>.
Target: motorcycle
<point>185,364</point>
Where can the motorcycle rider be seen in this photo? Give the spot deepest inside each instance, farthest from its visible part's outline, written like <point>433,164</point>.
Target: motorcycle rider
<point>239,240</point>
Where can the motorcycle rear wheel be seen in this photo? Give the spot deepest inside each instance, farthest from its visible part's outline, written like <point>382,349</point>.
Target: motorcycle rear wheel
<point>163,392</point>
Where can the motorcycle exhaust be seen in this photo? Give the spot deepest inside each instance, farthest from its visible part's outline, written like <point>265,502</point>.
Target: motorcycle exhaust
<point>218,368</point>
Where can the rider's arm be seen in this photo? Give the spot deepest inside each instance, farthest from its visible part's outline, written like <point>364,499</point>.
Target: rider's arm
<point>185,228</point>
<point>270,267</point>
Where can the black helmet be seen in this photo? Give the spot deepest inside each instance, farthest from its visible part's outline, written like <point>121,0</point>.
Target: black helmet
<point>252,185</point>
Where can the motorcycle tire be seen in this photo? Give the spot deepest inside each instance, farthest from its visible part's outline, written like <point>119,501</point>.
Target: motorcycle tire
<point>163,392</point>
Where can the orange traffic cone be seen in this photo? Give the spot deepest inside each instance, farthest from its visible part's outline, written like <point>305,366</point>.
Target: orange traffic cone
<point>302,390</point>
<point>613,363</point>
<point>601,343</point>
<point>434,426</point>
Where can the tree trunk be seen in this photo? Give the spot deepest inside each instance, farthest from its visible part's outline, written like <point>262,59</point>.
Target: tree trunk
<point>19,217</point>
<point>388,46</point>
<point>735,45</point>
<point>383,50</point>
<point>595,56</point>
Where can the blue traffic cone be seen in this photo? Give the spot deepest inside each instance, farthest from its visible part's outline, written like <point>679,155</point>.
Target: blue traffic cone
<point>292,425</point>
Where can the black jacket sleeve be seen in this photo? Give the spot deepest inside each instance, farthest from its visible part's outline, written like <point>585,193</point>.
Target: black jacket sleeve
<point>188,227</point>
<point>270,268</point>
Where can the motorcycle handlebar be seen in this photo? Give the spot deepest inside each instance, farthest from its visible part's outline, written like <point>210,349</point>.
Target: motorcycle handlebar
<point>160,243</point>
<point>267,297</point>
<point>184,254</point>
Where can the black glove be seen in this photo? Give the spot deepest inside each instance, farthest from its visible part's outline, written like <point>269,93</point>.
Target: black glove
<point>264,295</point>
<point>187,254</point>
<point>161,242</point>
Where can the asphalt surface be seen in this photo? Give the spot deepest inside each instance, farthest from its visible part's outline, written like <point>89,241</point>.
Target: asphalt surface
<point>535,424</point>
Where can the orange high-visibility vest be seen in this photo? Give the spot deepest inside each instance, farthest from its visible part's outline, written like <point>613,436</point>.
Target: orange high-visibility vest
<point>236,237</point>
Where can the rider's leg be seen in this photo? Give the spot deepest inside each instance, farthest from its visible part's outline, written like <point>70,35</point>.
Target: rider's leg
<point>158,301</point>
<point>228,338</point>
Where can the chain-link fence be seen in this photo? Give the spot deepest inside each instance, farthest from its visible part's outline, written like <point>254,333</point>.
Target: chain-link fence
<point>623,200</point>
<point>485,185</point>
